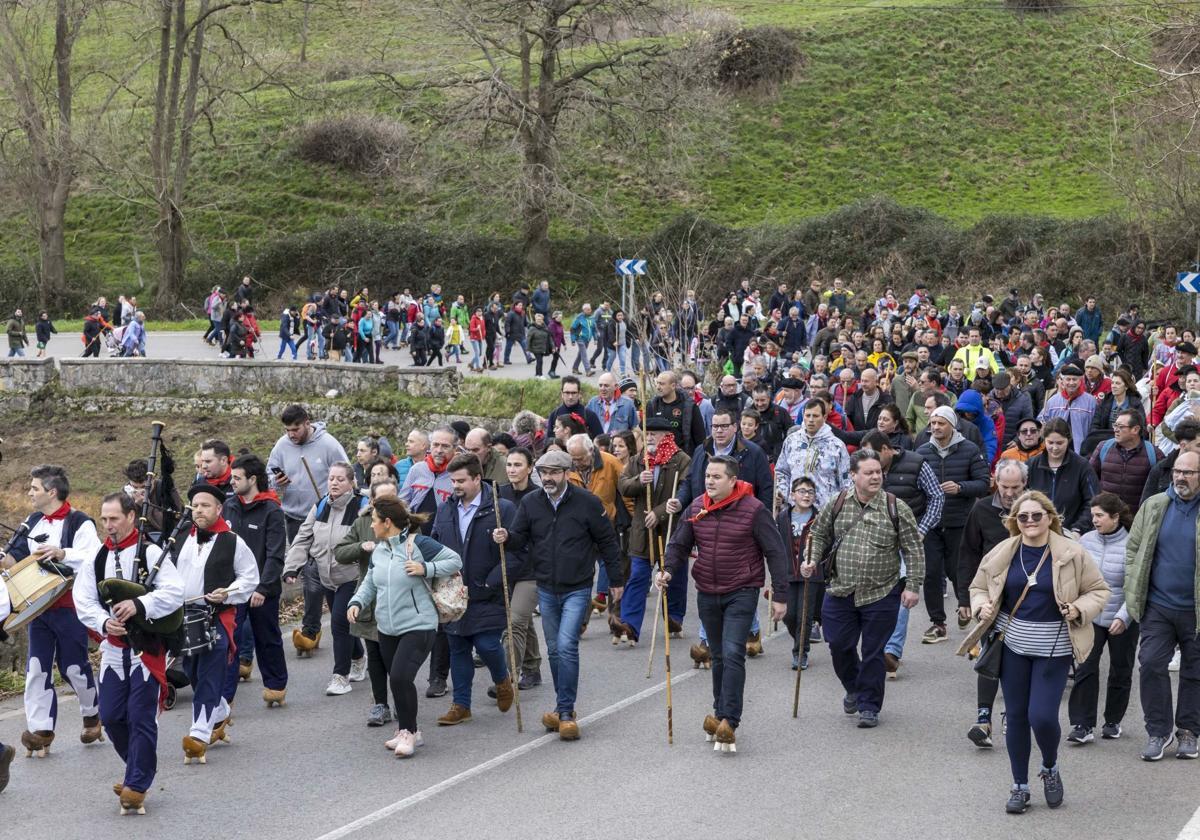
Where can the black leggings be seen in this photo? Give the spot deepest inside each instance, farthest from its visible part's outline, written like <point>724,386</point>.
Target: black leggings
<point>377,672</point>
<point>404,656</point>
<point>345,646</point>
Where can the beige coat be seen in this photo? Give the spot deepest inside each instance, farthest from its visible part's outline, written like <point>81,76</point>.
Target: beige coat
<point>1077,580</point>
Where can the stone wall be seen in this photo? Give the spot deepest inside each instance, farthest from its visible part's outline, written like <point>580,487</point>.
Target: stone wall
<point>187,377</point>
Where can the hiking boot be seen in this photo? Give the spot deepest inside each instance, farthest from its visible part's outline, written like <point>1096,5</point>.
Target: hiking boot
<point>1156,745</point>
<point>380,715</point>
<point>1187,745</point>
<point>1110,731</point>
<point>551,722</point>
<point>6,760</point>
<point>1052,786</point>
<point>358,669</point>
<point>568,729</point>
<point>868,719</point>
<point>891,664</point>
<point>726,740</point>
<point>754,645</point>
<point>710,727</point>
<point>504,694</point>
<point>530,679</point>
<point>980,733</point>
<point>1080,734</point>
<point>849,704</point>
<point>936,633</point>
<point>437,688</point>
<point>1018,801</point>
<point>456,715</point>
<point>338,685</point>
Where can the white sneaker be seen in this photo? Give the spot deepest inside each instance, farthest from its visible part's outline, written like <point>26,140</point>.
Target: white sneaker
<point>418,741</point>
<point>338,685</point>
<point>358,669</point>
<point>390,743</point>
<point>1175,660</point>
<point>405,744</point>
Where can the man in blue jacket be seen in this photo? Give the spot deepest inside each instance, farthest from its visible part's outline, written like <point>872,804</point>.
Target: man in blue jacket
<point>1089,319</point>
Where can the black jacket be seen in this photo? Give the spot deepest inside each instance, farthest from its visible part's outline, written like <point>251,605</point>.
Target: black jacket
<point>753,468</point>
<point>985,530</point>
<point>262,527</point>
<point>566,542</point>
<point>1159,478</point>
<point>859,419</point>
<point>1071,489</point>
<point>965,428</point>
<point>966,466</point>
<point>776,423</point>
<point>684,416</point>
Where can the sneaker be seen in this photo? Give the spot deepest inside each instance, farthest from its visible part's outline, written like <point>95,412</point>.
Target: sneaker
<point>437,688</point>
<point>804,662</point>
<point>337,685</point>
<point>1156,745</point>
<point>936,633</point>
<point>530,679</point>
<point>358,669</point>
<point>476,660</point>
<point>380,715</point>
<point>1080,734</point>
<point>980,734</point>
<point>1187,745</point>
<point>1175,662</point>
<point>868,719</point>
<point>964,623</point>
<point>815,635</point>
<point>406,744</point>
<point>1018,801</point>
<point>1110,731</point>
<point>795,662</point>
<point>1052,786</point>
<point>849,704</point>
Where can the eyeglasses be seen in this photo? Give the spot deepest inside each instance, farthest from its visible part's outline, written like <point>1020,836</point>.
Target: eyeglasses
<point>1121,426</point>
<point>1185,473</point>
<point>722,425</point>
<point>1036,516</point>
<point>1032,431</point>
<point>805,491</point>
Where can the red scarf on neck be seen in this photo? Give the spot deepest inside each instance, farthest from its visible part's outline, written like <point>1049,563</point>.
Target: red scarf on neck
<point>222,480</point>
<point>707,505</point>
<point>61,513</point>
<point>663,452</point>
<point>433,467</point>
<point>131,539</point>
<point>270,496</point>
<point>218,527</point>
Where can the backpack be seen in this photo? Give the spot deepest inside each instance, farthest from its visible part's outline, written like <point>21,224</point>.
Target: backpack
<point>1107,446</point>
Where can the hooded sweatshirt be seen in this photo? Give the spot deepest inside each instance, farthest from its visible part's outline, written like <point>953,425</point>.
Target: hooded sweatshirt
<point>321,451</point>
<point>971,400</point>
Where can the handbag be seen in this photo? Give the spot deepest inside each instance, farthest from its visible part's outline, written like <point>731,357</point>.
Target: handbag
<point>449,593</point>
<point>991,646</point>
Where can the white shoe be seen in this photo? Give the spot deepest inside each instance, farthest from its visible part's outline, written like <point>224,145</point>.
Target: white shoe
<point>418,741</point>
<point>390,743</point>
<point>338,685</point>
<point>405,744</point>
<point>1175,660</point>
<point>358,669</point>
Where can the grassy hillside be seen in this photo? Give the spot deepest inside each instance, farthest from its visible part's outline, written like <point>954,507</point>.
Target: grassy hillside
<point>965,112</point>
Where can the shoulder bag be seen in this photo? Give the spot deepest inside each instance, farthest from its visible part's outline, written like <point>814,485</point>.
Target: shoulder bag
<point>991,646</point>
<point>449,593</point>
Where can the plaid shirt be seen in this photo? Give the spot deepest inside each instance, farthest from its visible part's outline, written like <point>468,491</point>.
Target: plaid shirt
<point>869,557</point>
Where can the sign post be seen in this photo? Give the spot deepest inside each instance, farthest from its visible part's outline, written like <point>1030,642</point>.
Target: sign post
<point>629,271</point>
<point>1189,282</point>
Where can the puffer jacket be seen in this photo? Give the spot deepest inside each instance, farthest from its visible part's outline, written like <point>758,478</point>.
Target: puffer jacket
<point>963,464</point>
<point>402,601</point>
<point>319,535</point>
<point>1071,488</point>
<point>1125,472</point>
<point>1108,550</point>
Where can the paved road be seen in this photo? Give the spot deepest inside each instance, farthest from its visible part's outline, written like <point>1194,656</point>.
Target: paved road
<point>314,771</point>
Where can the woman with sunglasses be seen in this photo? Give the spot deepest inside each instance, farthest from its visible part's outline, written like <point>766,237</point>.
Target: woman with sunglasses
<point>1043,591</point>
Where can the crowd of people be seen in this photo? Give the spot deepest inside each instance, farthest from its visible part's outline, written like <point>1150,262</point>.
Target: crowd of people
<point>848,464</point>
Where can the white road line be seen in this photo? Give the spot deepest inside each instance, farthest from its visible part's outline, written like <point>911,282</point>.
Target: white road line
<point>440,787</point>
<point>1191,831</point>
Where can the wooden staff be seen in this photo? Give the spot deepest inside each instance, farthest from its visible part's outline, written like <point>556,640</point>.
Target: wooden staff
<point>803,627</point>
<point>661,594</point>
<point>650,551</point>
<point>311,477</point>
<point>512,651</point>
<point>666,655</point>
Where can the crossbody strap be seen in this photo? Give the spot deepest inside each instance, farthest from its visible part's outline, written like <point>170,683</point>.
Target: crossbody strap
<point>1028,584</point>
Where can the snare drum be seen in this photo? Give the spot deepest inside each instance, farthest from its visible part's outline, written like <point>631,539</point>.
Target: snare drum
<point>32,590</point>
<point>199,629</point>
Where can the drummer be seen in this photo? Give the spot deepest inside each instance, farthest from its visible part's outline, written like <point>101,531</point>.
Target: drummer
<point>133,662</point>
<point>218,570</point>
<point>57,534</point>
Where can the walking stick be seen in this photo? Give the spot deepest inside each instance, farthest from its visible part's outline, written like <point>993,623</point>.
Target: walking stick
<point>512,650</point>
<point>803,630</point>
<point>667,655</point>
<point>311,477</point>
<point>661,593</point>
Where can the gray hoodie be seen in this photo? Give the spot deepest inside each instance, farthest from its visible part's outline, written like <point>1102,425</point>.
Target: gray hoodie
<point>321,451</point>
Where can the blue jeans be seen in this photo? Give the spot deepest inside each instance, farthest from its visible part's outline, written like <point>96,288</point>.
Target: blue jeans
<point>217,335</point>
<point>508,346</point>
<point>393,334</point>
<point>754,626</point>
<point>610,357</point>
<point>462,669</point>
<point>581,357</point>
<point>16,351</point>
<point>286,342</point>
<point>633,599</point>
<point>476,353</point>
<point>845,625</point>
<point>562,617</point>
<point>895,645</point>
<point>728,617</point>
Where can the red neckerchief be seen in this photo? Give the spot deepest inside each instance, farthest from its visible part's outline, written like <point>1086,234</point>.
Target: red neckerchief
<point>218,527</point>
<point>221,480</point>
<point>269,496</point>
<point>61,513</point>
<point>707,505</point>
<point>433,467</point>
<point>665,450</point>
<point>123,544</point>
<point>1070,397</point>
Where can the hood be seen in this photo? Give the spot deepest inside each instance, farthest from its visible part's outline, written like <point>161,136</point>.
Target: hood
<point>943,451</point>
<point>971,400</point>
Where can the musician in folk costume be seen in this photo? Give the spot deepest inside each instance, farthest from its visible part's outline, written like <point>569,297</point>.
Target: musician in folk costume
<point>254,515</point>
<point>59,535</point>
<point>218,569</point>
<point>133,664</point>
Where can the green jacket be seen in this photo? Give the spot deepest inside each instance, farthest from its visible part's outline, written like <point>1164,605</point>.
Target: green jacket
<point>349,550</point>
<point>1139,555</point>
<point>16,334</point>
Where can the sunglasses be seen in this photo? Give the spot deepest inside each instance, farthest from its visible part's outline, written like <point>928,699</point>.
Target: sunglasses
<point>1036,516</point>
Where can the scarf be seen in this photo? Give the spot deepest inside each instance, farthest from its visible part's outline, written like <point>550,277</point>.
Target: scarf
<point>665,450</point>
<point>131,539</point>
<point>270,496</point>
<point>433,467</point>
<point>707,505</point>
<point>203,535</point>
<point>61,513</point>
<point>221,480</point>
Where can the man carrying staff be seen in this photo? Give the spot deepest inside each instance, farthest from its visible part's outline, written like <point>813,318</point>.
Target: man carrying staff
<point>867,535</point>
<point>736,539</point>
<point>133,662</point>
<point>60,535</point>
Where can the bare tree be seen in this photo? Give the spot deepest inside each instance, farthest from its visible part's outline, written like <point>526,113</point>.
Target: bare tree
<point>536,66</point>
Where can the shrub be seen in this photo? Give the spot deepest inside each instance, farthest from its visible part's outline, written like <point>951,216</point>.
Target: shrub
<point>1036,6</point>
<point>363,143</point>
<point>759,58</point>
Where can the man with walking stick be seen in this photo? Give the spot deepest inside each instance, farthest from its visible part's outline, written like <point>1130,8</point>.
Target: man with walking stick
<point>736,540</point>
<point>860,539</point>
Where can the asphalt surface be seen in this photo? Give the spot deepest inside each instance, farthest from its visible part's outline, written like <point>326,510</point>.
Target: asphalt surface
<point>314,771</point>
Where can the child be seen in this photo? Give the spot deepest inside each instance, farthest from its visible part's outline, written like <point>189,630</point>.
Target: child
<point>750,422</point>
<point>454,341</point>
<point>794,525</point>
<point>44,327</point>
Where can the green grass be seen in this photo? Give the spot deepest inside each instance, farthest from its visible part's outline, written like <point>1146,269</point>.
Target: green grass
<point>966,114</point>
<point>478,397</point>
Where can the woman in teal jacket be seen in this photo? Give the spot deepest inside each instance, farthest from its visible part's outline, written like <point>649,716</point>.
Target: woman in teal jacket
<point>396,584</point>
